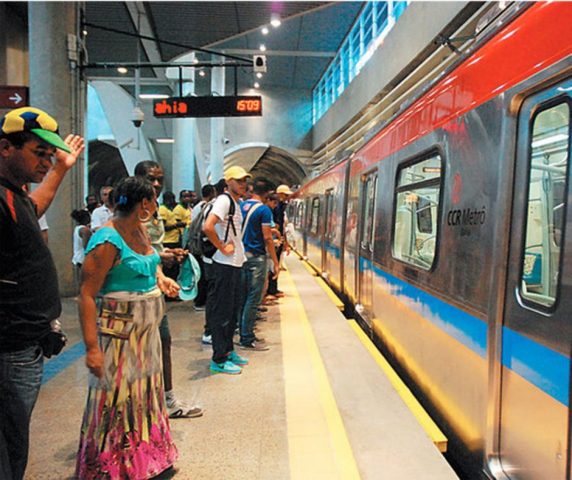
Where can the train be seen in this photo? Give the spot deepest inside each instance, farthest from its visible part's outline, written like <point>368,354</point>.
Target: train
<point>448,236</point>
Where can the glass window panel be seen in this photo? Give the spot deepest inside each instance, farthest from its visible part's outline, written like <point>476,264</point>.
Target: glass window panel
<point>549,147</point>
<point>419,172</point>
<point>314,226</point>
<point>416,212</point>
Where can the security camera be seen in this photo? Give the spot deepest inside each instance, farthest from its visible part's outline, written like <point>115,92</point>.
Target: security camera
<point>137,117</point>
<point>226,141</point>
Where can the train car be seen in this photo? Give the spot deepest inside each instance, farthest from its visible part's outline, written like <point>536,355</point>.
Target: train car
<point>449,234</point>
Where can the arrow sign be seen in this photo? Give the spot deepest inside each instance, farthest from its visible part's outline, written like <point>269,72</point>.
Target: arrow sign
<point>16,98</point>
<point>13,96</point>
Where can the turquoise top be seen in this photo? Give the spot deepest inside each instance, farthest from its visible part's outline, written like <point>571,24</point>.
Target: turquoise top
<point>134,273</point>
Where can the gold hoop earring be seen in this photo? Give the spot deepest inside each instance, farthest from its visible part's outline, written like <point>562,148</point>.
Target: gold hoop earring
<point>146,218</point>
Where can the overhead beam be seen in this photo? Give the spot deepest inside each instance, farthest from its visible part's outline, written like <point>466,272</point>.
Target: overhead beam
<point>279,53</point>
<point>140,20</point>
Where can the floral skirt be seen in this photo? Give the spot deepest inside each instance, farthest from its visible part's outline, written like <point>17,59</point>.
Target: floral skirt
<point>125,431</point>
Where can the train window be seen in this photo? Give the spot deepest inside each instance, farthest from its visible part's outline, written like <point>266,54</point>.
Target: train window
<point>369,189</point>
<point>330,218</point>
<point>549,150</point>
<point>416,208</point>
<point>315,216</point>
<point>300,215</point>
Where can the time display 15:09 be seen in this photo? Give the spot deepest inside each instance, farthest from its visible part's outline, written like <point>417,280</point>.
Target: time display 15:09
<point>248,105</point>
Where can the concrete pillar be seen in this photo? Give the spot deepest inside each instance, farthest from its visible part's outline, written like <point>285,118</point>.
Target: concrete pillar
<point>217,126</point>
<point>55,87</point>
<point>3,44</point>
<point>184,146</point>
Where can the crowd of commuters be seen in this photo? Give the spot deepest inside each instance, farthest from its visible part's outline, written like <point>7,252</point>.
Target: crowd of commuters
<point>128,248</point>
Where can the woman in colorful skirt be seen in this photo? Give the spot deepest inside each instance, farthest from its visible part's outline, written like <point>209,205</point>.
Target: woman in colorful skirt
<point>125,432</point>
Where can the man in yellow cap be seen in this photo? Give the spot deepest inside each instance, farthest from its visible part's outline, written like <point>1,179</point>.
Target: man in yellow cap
<point>223,227</point>
<point>31,150</point>
<point>279,213</point>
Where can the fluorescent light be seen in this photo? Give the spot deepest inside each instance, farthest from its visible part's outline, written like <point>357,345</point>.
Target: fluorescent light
<point>165,140</point>
<point>275,20</point>
<point>256,85</point>
<point>152,96</point>
<point>259,75</point>
<point>265,30</point>
<point>202,73</point>
<point>122,70</point>
<point>552,139</point>
<point>262,47</point>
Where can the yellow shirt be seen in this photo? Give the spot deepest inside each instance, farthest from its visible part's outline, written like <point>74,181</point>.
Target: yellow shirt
<point>171,236</point>
<point>182,214</point>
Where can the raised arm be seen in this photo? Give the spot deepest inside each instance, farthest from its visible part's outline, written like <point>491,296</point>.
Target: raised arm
<point>46,191</point>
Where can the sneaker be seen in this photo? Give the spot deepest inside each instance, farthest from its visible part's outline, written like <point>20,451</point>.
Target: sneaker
<point>279,294</point>
<point>178,409</point>
<point>226,367</point>
<point>237,359</point>
<point>207,339</point>
<point>259,339</point>
<point>260,318</point>
<point>199,308</point>
<point>254,346</point>
<point>262,309</point>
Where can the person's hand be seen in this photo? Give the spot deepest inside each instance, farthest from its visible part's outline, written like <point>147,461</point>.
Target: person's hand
<point>76,145</point>
<point>227,249</point>
<point>178,254</point>
<point>94,361</point>
<point>168,286</point>
<point>276,271</point>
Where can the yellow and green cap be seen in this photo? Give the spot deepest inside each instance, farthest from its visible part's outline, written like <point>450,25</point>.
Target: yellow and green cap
<point>29,119</point>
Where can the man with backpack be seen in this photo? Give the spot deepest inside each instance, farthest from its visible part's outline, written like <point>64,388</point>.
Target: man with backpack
<point>223,228</point>
<point>258,242</point>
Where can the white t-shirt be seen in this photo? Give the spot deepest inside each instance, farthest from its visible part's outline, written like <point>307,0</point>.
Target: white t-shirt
<point>100,216</point>
<point>78,249</point>
<point>221,208</point>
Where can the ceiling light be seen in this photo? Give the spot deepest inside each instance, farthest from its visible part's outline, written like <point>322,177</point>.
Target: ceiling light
<point>84,32</point>
<point>202,73</point>
<point>275,20</point>
<point>259,75</point>
<point>256,85</point>
<point>152,96</point>
<point>195,60</point>
<point>165,140</point>
<point>549,140</point>
<point>262,47</point>
<point>122,70</point>
<point>265,30</point>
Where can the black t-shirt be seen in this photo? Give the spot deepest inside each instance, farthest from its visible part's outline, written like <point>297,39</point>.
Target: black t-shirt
<point>29,295</point>
<point>278,214</point>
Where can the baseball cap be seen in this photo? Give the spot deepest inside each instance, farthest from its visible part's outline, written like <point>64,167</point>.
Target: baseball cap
<point>188,279</point>
<point>284,189</point>
<point>36,121</point>
<point>236,173</point>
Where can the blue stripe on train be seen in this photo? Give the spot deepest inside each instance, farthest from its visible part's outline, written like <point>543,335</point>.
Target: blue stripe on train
<point>545,368</point>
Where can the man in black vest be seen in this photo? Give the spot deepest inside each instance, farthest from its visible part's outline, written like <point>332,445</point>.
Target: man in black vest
<point>30,151</point>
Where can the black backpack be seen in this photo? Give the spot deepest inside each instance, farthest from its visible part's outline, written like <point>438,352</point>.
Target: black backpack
<point>198,243</point>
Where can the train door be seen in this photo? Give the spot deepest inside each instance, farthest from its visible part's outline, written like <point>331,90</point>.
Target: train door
<point>366,242</point>
<point>537,333</point>
<point>328,227</point>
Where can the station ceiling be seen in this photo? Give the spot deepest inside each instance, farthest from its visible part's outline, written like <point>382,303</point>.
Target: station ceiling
<point>298,51</point>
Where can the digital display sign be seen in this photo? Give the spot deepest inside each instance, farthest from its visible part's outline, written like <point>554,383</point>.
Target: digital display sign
<point>196,107</point>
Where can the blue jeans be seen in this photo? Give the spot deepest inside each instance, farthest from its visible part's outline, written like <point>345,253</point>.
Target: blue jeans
<point>20,380</point>
<point>254,271</point>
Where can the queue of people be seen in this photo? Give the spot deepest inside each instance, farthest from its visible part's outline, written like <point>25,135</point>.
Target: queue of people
<point>128,250</point>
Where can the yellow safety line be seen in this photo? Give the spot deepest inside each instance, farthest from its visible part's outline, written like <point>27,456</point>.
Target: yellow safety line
<point>317,439</point>
<point>333,297</point>
<point>434,432</point>
<point>309,267</point>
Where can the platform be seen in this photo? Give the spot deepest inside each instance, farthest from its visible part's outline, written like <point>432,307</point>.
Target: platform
<point>315,406</point>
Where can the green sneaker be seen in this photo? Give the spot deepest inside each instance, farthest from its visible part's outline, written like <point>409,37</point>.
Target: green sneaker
<point>226,367</point>
<point>237,359</point>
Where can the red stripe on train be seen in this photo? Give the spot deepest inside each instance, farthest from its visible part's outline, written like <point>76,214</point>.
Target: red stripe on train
<point>538,38</point>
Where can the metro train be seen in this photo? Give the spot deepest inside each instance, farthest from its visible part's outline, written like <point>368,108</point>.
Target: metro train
<point>449,236</point>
